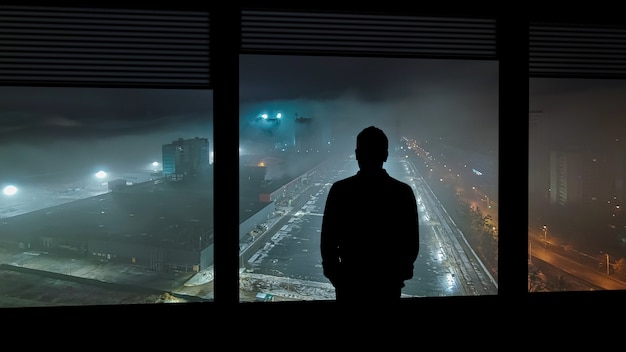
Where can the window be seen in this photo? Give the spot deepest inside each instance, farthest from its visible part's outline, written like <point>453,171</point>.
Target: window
<point>507,56</point>
<point>89,197</point>
<point>99,207</point>
<point>576,163</point>
<point>299,116</point>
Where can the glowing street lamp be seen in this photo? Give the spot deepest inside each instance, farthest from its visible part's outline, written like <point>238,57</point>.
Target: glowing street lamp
<point>9,190</point>
<point>101,176</point>
<point>265,116</point>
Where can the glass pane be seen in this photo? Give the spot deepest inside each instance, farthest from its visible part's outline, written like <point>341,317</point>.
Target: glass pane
<point>576,223</point>
<point>107,196</point>
<point>299,117</point>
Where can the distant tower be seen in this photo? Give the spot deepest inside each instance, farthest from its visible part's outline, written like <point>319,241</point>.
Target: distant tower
<point>185,158</point>
<point>308,134</point>
<point>302,133</point>
<point>566,177</point>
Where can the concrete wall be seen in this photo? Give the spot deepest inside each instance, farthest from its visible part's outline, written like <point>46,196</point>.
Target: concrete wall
<point>259,217</point>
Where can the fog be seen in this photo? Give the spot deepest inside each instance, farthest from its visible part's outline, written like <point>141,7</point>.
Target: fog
<point>45,131</point>
<point>576,168</point>
<point>435,96</point>
<point>48,130</point>
<point>452,101</point>
<point>580,111</point>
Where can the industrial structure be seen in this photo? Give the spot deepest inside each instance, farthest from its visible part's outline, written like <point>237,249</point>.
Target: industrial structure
<point>161,223</point>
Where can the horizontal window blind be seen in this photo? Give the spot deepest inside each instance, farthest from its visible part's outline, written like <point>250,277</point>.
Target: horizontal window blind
<point>334,33</point>
<point>101,47</point>
<point>577,51</point>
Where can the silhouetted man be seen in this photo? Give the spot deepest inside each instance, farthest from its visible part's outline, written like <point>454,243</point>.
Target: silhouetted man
<point>370,231</point>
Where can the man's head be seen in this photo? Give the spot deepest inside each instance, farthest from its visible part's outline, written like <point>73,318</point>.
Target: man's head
<point>371,147</point>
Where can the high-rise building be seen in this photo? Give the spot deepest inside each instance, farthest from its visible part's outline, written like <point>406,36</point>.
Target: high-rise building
<point>186,158</point>
<point>566,177</point>
<point>585,176</point>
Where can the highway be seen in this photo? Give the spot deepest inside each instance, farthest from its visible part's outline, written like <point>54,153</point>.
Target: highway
<point>289,250</point>
<point>572,262</point>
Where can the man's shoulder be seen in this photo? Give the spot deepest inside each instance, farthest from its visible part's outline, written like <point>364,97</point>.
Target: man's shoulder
<point>345,181</point>
<point>397,182</point>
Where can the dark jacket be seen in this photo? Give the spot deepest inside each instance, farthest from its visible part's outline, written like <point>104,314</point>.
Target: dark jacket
<point>370,232</point>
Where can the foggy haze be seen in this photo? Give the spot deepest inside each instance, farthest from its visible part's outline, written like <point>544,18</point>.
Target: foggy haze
<point>435,98</point>
<point>48,129</point>
<point>45,131</point>
<point>580,111</point>
<point>576,183</point>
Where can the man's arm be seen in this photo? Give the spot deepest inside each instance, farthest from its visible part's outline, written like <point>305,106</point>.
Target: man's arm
<point>329,238</point>
<point>411,231</point>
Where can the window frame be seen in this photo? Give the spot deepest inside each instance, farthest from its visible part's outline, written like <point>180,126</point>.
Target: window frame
<point>512,54</point>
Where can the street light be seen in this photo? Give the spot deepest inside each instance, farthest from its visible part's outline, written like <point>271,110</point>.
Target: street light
<point>101,176</point>
<point>9,190</point>
<point>545,233</point>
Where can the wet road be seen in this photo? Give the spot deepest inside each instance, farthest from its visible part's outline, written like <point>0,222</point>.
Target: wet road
<point>446,266</point>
